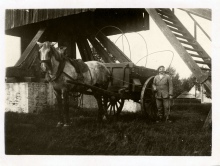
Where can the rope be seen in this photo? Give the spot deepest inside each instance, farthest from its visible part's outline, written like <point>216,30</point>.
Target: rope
<point>158,52</point>
<point>110,26</point>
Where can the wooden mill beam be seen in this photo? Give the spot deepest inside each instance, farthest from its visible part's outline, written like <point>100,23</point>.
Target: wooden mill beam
<point>112,48</point>
<point>82,51</point>
<point>30,47</point>
<point>204,13</point>
<point>201,77</point>
<point>101,51</point>
<point>87,48</point>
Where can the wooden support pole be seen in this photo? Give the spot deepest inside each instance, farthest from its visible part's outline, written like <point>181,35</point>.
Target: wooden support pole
<point>84,49</point>
<point>195,31</point>
<point>204,13</point>
<point>30,47</point>
<point>112,48</point>
<point>87,49</point>
<point>196,23</point>
<point>66,39</point>
<point>177,46</point>
<point>101,51</point>
<point>73,49</point>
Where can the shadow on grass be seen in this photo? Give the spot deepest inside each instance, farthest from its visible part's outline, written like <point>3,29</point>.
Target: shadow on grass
<point>128,134</point>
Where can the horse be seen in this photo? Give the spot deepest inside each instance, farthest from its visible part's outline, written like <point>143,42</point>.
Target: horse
<point>59,70</point>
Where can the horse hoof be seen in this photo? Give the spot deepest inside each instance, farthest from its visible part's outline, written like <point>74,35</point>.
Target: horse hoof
<point>59,124</point>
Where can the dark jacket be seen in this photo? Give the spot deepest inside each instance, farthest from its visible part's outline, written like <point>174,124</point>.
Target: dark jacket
<point>163,86</point>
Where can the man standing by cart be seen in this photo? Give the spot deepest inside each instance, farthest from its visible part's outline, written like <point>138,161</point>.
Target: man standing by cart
<point>163,87</point>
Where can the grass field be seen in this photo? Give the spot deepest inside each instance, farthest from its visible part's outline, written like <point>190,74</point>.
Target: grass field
<point>130,134</point>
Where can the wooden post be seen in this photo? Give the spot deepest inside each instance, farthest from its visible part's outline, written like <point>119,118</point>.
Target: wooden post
<point>112,48</point>
<point>87,49</point>
<point>31,46</point>
<point>101,51</point>
<point>204,13</point>
<point>82,50</point>
<point>195,31</point>
<point>177,46</point>
<point>72,54</point>
<point>66,39</point>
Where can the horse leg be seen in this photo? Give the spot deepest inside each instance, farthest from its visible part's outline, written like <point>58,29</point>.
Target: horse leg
<point>100,106</point>
<point>60,111</point>
<point>66,109</point>
<point>104,103</point>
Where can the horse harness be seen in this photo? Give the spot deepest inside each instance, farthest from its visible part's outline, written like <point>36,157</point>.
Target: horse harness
<point>75,64</point>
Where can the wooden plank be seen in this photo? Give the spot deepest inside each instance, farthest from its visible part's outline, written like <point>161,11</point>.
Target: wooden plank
<point>192,49</point>
<point>112,48</point>
<point>172,25</point>
<point>201,62</point>
<point>31,58</point>
<point>87,49</point>
<point>204,13</point>
<point>66,39</point>
<point>163,12</point>
<point>205,69</point>
<point>168,19</point>
<point>194,55</point>
<point>184,37</point>
<point>177,46</point>
<point>82,51</point>
<point>204,54</point>
<point>176,30</point>
<point>18,72</point>
<point>101,51</point>
<point>30,47</point>
<point>73,48</point>
<point>197,24</point>
<point>188,43</point>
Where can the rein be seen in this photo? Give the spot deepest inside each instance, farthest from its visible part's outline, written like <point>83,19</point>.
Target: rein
<point>60,67</point>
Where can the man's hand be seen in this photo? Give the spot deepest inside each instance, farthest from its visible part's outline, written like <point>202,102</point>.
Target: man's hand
<point>154,88</point>
<point>171,96</point>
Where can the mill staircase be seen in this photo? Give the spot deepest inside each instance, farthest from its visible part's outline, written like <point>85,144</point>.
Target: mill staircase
<point>195,57</point>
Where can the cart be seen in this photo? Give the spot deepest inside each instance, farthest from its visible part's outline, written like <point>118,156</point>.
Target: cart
<point>133,83</point>
<point>128,82</point>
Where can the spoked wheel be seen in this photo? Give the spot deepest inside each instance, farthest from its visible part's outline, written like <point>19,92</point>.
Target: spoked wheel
<point>148,101</point>
<point>113,105</point>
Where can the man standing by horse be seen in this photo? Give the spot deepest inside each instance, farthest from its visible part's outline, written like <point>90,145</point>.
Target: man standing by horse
<point>163,87</point>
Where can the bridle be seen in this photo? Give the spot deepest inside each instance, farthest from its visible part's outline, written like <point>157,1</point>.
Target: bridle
<point>46,61</point>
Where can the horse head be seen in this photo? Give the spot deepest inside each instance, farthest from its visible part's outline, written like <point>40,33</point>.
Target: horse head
<point>47,51</point>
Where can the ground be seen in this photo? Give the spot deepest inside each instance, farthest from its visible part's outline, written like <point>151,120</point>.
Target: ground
<point>130,134</point>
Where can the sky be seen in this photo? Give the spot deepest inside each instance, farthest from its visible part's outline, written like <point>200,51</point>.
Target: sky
<point>138,45</point>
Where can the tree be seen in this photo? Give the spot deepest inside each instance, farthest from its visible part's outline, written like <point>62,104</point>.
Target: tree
<point>177,83</point>
<point>189,82</point>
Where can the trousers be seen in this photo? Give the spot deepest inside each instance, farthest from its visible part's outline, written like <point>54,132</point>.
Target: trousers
<point>163,107</point>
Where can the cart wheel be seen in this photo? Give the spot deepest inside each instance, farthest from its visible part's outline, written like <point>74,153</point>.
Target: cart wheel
<point>148,101</point>
<point>113,105</point>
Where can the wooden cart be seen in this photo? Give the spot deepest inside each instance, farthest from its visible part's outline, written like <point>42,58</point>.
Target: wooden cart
<point>133,83</point>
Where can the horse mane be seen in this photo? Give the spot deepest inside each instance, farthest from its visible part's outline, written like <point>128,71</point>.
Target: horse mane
<point>58,56</point>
